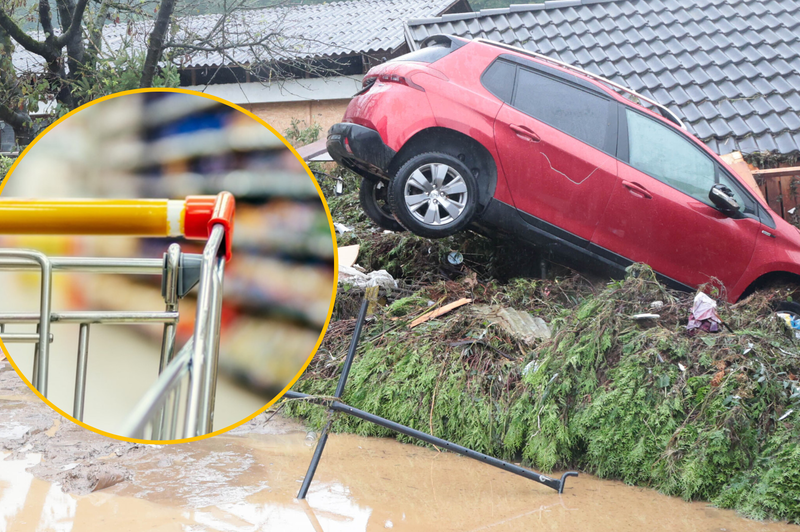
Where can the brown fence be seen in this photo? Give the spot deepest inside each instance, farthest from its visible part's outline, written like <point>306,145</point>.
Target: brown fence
<point>781,189</point>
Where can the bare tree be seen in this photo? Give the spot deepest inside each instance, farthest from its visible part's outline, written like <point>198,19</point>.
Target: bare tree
<point>73,63</point>
<point>155,46</point>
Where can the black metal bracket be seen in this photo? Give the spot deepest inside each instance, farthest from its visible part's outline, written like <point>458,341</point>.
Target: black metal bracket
<point>189,266</point>
<point>337,406</point>
<point>334,405</point>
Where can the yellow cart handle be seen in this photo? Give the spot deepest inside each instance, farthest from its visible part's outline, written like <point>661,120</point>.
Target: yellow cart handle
<point>191,217</point>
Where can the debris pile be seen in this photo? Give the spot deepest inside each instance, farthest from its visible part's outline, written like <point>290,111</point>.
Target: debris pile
<point>565,373</point>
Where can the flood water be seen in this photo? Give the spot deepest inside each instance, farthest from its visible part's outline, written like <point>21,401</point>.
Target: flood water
<point>249,482</point>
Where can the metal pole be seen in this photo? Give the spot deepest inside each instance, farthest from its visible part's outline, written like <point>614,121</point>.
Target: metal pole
<point>154,397</point>
<point>201,329</point>
<point>323,439</point>
<point>170,276</point>
<point>80,373</point>
<point>24,338</point>
<point>35,374</point>
<point>212,364</point>
<point>337,406</point>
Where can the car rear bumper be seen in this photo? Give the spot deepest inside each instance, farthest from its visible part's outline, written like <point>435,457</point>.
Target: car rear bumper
<point>360,149</point>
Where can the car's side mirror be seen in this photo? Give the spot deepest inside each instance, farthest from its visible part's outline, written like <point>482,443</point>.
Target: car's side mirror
<point>722,197</point>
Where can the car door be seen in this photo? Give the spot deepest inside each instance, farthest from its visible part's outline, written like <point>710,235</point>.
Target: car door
<point>660,212</point>
<point>555,141</point>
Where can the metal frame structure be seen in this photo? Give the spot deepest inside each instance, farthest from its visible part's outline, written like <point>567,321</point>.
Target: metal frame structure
<point>334,405</point>
<point>188,377</point>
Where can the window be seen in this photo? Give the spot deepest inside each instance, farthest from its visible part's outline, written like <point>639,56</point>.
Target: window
<point>666,155</point>
<point>7,139</point>
<point>576,112</point>
<point>499,79</point>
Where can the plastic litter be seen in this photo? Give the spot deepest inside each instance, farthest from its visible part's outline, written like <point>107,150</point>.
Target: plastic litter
<point>519,324</point>
<point>341,228</point>
<point>704,315</point>
<point>351,276</point>
<point>455,258</point>
<point>792,324</point>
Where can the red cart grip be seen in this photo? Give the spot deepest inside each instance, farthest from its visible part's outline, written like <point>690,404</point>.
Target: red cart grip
<point>204,212</point>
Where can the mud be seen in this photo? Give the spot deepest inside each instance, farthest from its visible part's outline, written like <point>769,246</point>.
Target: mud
<point>247,480</point>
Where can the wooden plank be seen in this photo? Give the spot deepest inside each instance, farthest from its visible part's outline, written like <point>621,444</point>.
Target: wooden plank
<point>772,186</point>
<point>348,255</point>
<point>439,311</point>
<point>789,200</point>
<point>740,166</point>
<point>778,172</point>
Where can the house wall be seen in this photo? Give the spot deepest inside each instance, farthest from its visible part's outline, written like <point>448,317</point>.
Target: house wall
<point>280,114</point>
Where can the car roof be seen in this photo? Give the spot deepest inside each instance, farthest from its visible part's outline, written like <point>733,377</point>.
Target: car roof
<point>589,76</point>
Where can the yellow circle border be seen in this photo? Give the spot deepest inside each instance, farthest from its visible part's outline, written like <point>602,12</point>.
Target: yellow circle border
<point>335,264</point>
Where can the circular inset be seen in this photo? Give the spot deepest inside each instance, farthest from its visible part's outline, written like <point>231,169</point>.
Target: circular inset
<point>168,265</point>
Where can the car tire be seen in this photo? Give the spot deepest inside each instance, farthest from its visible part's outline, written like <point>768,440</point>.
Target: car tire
<point>374,200</point>
<point>788,306</point>
<point>434,195</point>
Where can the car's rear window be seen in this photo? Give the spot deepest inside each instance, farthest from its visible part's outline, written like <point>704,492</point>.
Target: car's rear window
<point>429,54</point>
<point>499,79</point>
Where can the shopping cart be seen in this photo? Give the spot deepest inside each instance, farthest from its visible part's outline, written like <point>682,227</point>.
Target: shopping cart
<point>180,403</point>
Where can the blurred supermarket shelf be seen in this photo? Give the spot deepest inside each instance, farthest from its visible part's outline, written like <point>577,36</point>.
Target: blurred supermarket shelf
<point>244,184</point>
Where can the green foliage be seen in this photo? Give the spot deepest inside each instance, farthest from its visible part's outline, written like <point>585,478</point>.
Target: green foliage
<point>692,416</point>
<point>299,133</point>
<point>5,166</point>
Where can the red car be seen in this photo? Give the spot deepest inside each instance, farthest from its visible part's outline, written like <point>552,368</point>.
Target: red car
<point>474,134</point>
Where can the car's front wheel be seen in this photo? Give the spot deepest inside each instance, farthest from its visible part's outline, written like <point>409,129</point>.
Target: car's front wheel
<point>434,195</point>
<point>374,201</point>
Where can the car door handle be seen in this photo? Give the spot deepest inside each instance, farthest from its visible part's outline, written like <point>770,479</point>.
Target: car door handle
<point>637,189</point>
<point>525,132</point>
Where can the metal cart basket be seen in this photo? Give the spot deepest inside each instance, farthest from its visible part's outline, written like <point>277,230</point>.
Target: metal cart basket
<point>180,402</point>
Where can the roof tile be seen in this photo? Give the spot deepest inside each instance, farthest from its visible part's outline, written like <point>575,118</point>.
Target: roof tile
<point>738,126</point>
<point>774,123</point>
<point>792,120</point>
<point>766,142</point>
<point>721,127</point>
<point>785,142</point>
<point>691,112</point>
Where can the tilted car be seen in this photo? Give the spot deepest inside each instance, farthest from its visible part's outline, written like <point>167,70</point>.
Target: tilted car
<point>474,134</point>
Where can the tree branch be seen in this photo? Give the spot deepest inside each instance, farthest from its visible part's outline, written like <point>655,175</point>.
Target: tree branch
<point>74,26</point>
<point>15,119</point>
<point>27,42</point>
<point>155,45</point>
<point>46,19</point>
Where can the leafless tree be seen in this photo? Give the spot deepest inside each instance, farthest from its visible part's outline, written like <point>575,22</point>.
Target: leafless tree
<point>73,63</point>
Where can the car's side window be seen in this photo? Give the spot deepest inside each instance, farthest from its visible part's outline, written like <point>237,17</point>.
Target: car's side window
<point>499,79</point>
<point>664,154</point>
<point>568,108</point>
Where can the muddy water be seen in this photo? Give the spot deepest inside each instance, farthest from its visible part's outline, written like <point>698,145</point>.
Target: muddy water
<point>248,482</point>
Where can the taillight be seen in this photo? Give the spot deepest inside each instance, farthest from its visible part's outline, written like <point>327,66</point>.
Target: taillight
<point>402,80</point>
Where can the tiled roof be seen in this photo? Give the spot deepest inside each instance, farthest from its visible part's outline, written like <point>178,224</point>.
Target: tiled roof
<point>729,68</point>
<point>307,31</point>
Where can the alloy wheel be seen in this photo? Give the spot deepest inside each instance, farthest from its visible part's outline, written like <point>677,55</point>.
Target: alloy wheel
<point>435,194</point>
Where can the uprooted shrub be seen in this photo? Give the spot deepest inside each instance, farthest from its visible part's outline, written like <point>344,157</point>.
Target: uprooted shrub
<point>711,416</point>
